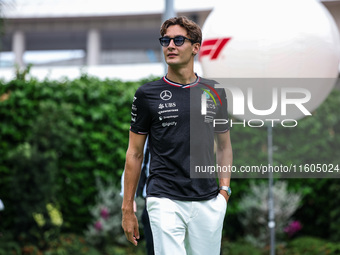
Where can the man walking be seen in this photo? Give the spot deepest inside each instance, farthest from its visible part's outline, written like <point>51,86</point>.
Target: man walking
<point>177,112</point>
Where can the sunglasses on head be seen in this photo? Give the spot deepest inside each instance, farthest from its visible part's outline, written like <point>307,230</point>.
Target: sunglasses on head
<point>178,40</point>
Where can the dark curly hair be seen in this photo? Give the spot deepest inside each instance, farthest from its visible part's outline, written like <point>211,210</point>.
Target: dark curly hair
<point>193,30</point>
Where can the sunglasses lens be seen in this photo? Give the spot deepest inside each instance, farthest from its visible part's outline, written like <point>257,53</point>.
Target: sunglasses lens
<point>165,41</point>
<point>179,40</point>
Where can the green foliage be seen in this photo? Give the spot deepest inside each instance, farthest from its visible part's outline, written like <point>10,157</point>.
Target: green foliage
<point>254,211</point>
<point>105,230</point>
<point>131,250</point>
<point>240,248</point>
<point>334,214</point>
<point>299,246</point>
<point>8,246</point>
<point>70,244</point>
<point>316,139</point>
<point>34,169</point>
<point>310,246</point>
<point>60,136</point>
<point>56,138</point>
<point>21,73</point>
<point>105,227</point>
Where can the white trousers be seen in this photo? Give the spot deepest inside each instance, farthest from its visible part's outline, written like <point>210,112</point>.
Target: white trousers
<point>187,227</point>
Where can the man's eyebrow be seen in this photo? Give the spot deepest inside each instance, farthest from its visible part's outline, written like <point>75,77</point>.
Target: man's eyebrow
<point>175,35</point>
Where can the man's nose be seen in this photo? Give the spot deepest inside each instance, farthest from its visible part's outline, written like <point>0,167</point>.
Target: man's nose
<point>172,43</point>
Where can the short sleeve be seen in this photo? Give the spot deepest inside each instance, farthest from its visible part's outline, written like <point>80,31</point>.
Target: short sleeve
<point>140,113</point>
<point>222,113</point>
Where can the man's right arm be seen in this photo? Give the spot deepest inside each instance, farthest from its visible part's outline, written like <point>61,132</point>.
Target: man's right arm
<point>134,159</point>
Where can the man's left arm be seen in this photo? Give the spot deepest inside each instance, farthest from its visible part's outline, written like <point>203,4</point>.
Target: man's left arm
<point>224,155</point>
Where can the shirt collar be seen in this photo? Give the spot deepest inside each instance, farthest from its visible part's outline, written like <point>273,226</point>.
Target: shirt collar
<point>182,85</point>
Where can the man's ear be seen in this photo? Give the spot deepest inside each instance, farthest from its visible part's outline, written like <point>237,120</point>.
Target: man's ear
<point>196,49</point>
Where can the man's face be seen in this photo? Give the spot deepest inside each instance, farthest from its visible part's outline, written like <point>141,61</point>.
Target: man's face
<point>179,55</point>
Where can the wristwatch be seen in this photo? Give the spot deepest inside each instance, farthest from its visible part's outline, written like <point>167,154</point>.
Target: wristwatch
<point>226,189</point>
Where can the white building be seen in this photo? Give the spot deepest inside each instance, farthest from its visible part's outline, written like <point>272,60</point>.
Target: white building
<point>108,38</point>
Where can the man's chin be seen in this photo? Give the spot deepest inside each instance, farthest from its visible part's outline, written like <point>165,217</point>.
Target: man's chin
<point>172,62</point>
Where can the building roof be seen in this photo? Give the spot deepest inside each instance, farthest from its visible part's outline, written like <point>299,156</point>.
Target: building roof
<point>82,8</point>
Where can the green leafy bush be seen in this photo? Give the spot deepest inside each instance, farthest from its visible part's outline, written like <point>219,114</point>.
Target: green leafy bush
<point>254,211</point>
<point>240,248</point>
<point>8,246</point>
<point>70,244</point>
<point>310,246</point>
<point>75,131</point>
<point>105,228</point>
<point>34,167</point>
<point>60,136</point>
<point>299,246</point>
<point>316,139</point>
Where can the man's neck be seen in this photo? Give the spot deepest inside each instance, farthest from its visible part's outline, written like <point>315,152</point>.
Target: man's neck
<point>182,75</point>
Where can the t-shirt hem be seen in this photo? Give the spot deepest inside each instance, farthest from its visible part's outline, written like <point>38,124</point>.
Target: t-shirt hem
<point>187,198</point>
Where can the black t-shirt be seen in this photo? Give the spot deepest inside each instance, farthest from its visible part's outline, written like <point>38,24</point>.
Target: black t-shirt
<point>181,135</point>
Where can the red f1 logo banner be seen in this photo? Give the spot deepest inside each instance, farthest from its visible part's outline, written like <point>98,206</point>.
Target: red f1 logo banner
<point>213,47</point>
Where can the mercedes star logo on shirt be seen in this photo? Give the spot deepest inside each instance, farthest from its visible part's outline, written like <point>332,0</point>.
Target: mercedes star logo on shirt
<point>166,95</point>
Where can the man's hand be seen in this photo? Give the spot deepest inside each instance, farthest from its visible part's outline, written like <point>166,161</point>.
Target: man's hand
<point>134,158</point>
<point>130,226</point>
<point>224,193</point>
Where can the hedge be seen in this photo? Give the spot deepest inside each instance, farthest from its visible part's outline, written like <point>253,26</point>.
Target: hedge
<point>78,129</point>
<point>56,137</point>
